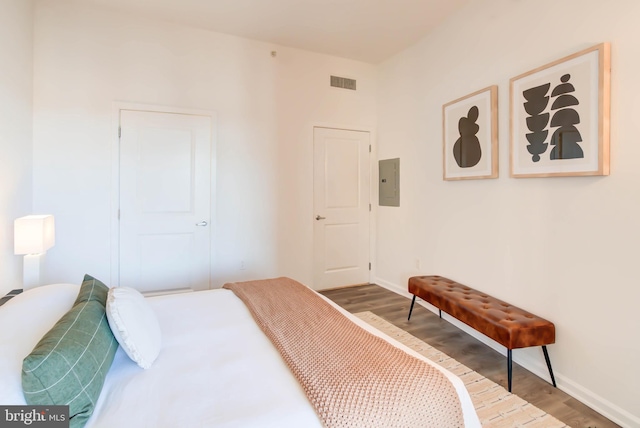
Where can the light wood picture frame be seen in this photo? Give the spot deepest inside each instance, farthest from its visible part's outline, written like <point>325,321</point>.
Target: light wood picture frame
<point>470,136</point>
<point>560,117</point>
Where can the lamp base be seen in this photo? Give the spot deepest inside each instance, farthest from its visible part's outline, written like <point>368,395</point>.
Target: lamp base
<point>31,271</point>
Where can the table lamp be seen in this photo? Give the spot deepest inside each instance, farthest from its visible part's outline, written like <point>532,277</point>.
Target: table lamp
<point>33,236</point>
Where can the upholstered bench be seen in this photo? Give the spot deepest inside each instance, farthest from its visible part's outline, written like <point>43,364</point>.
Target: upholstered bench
<point>508,325</point>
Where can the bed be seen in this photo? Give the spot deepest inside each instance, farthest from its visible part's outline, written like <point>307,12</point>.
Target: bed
<point>217,366</point>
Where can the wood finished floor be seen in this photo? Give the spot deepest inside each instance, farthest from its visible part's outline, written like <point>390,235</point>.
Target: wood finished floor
<point>469,351</point>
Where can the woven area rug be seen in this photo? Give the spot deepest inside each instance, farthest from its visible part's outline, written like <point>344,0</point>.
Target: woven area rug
<point>496,407</point>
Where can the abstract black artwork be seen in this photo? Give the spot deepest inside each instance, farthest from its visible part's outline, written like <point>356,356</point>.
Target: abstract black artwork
<point>560,117</point>
<point>470,136</point>
<point>537,121</point>
<point>466,149</point>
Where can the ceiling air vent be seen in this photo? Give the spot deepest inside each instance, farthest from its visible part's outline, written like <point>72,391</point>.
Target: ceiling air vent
<point>343,82</point>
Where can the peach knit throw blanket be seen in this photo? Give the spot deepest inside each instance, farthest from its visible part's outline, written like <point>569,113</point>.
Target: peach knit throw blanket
<point>351,377</point>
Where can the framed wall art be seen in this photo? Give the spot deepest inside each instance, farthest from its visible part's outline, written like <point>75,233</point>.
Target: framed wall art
<point>560,117</point>
<point>470,136</point>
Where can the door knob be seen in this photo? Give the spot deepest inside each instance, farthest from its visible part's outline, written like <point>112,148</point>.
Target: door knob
<point>202,223</point>
<point>320,217</point>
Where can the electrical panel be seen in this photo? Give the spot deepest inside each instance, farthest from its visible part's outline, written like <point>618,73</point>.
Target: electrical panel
<point>389,182</point>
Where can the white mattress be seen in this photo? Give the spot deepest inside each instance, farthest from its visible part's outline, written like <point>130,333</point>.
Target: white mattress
<point>215,368</point>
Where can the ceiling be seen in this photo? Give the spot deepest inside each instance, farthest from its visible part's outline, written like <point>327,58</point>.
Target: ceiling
<point>363,30</point>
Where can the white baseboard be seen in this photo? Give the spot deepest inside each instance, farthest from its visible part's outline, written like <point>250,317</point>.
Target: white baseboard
<point>403,291</point>
<point>530,360</point>
<point>154,293</point>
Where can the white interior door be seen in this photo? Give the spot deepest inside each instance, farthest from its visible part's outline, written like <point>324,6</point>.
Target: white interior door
<point>165,199</point>
<point>341,207</point>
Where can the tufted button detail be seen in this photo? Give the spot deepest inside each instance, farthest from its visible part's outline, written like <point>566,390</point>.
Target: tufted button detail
<point>495,318</point>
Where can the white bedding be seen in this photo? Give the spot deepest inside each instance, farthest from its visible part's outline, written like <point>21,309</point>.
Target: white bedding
<point>23,321</point>
<point>215,368</point>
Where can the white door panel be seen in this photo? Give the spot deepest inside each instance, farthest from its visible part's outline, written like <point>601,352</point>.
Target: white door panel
<point>165,188</point>
<point>341,204</point>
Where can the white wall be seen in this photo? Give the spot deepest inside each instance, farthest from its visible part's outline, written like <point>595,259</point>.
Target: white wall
<point>86,58</point>
<point>16,110</point>
<point>560,247</point>
<point>563,248</point>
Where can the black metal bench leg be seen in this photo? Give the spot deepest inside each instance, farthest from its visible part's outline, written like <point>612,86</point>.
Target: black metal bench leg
<point>440,312</point>
<point>411,308</point>
<point>546,358</point>
<point>509,368</point>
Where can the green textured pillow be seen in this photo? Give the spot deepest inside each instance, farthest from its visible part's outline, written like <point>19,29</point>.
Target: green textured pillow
<point>69,364</point>
<point>92,290</point>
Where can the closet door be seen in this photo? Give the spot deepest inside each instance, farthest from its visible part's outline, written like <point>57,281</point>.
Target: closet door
<point>165,200</point>
<point>341,180</point>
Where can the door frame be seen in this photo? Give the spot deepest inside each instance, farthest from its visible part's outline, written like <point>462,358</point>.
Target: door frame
<point>373,198</point>
<point>114,233</point>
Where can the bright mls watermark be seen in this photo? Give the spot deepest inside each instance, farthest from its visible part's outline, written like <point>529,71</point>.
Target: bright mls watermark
<point>34,416</point>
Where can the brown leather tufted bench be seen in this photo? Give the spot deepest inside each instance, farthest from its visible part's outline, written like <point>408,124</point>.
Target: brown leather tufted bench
<point>508,325</point>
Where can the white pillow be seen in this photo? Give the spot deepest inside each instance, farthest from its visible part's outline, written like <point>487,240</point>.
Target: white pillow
<point>24,319</point>
<point>134,325</point>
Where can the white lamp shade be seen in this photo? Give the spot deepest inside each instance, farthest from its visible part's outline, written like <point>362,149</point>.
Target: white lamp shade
<point>33,234</point>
